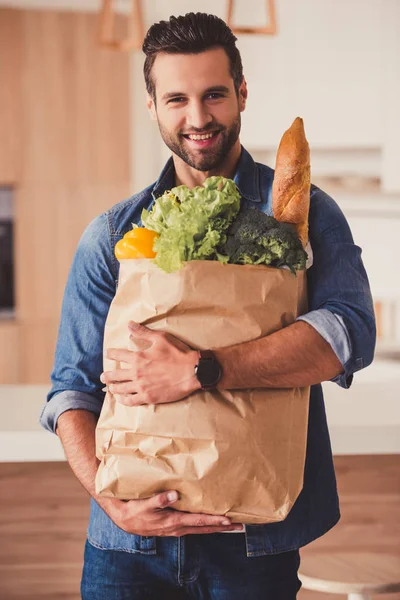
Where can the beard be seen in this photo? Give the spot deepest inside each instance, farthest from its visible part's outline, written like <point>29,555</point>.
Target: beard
<point>205,159</point>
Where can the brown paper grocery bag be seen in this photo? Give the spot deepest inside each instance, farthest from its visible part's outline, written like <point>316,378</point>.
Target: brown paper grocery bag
<point>238,453</point>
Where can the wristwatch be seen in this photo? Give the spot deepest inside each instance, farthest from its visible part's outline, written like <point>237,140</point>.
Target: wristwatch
<point>208,370</point>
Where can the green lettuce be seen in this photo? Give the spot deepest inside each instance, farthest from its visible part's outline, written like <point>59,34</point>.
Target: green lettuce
<point>192,223</point>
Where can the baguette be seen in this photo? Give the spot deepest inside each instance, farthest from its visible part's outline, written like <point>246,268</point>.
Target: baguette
<point>291,186</point>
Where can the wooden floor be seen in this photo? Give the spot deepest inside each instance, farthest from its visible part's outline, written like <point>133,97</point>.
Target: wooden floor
<point>369,490</point>
<point>44,512</point>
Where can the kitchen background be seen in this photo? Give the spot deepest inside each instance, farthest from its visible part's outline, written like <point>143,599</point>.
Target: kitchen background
<point>75,139</point>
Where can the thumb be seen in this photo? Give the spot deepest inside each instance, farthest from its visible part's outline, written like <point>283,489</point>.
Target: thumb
<point>164,499</point>
<point>138,329</point>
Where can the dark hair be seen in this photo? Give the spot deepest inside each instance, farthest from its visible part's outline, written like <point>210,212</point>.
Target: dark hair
<point>190,34</point>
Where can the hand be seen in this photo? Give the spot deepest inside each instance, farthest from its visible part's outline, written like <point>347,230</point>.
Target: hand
<point>152,517</point>
<point>162,373</point>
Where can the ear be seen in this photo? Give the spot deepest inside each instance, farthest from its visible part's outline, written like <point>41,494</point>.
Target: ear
<point>243,95</point>
<point>151,107</point>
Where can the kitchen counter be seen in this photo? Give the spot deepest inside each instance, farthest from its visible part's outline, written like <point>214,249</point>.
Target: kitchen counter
<point>362,420</point>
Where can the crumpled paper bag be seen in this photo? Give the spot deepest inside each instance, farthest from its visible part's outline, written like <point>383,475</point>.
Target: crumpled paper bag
<point>238,453</point>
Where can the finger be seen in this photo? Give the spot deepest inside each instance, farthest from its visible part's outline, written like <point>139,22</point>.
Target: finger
<point>131,399</point>
<point>120,354</point>
<point>162,500</point>
<point>139,330</point>
<point>126,388</point>
<point>116,375</point>
<point>198,520</point>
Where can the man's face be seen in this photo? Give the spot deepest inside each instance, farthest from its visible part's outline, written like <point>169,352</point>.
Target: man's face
<point>197,109</point>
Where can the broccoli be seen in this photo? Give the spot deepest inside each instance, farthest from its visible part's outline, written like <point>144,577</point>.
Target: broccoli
<point>256,238</point>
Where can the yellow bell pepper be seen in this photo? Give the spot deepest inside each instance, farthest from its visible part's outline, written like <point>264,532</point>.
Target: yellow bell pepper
<point>137,243</point>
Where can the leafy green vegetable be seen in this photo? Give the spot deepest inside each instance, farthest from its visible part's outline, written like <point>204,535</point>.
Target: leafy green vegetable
<point>192,222</point>
<point>256,238</point>
<point>205,224</point>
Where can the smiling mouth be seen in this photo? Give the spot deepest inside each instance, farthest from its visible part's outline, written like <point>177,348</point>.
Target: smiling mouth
<point>200,137</point>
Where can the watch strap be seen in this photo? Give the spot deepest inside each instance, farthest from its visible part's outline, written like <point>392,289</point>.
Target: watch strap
<point>207,354</point>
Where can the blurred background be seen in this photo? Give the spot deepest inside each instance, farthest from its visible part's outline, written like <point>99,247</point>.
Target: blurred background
<point>75,139</point>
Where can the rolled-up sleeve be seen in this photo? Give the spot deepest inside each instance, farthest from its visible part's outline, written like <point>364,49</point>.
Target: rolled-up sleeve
<point>67,400</point>
<point>78,361</point>
<point>340,302</point>
<point>332,328</point>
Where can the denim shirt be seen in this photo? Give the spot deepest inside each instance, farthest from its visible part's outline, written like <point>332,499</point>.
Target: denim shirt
<point>340,309</point>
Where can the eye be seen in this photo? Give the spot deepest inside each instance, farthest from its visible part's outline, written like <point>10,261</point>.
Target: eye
<point>215,95</point>
<point>176,100</point>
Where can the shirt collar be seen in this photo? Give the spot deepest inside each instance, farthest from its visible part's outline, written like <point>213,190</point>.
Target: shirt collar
<point>246,178</point>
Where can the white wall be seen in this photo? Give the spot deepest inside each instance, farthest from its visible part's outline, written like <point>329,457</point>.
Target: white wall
<point>325,66</point>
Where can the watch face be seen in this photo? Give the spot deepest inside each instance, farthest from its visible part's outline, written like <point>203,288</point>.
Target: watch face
<point>208,372</point>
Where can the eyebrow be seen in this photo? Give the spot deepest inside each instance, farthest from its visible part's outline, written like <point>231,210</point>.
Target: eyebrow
<point>214,88</point>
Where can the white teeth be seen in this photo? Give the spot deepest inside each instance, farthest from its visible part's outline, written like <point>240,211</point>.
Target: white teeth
<point>201,137</point>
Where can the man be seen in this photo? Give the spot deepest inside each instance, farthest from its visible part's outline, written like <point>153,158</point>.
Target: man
<point>143,548</point>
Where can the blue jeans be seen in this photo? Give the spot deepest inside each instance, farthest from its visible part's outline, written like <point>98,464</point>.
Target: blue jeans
<point>202,567</point>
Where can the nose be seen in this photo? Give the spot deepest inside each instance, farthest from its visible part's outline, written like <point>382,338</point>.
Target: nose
<point>198,116</point>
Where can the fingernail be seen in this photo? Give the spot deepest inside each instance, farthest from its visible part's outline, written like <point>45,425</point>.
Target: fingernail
<point>172,496</point>
<point>225,522</point>
<point>102,378</point>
